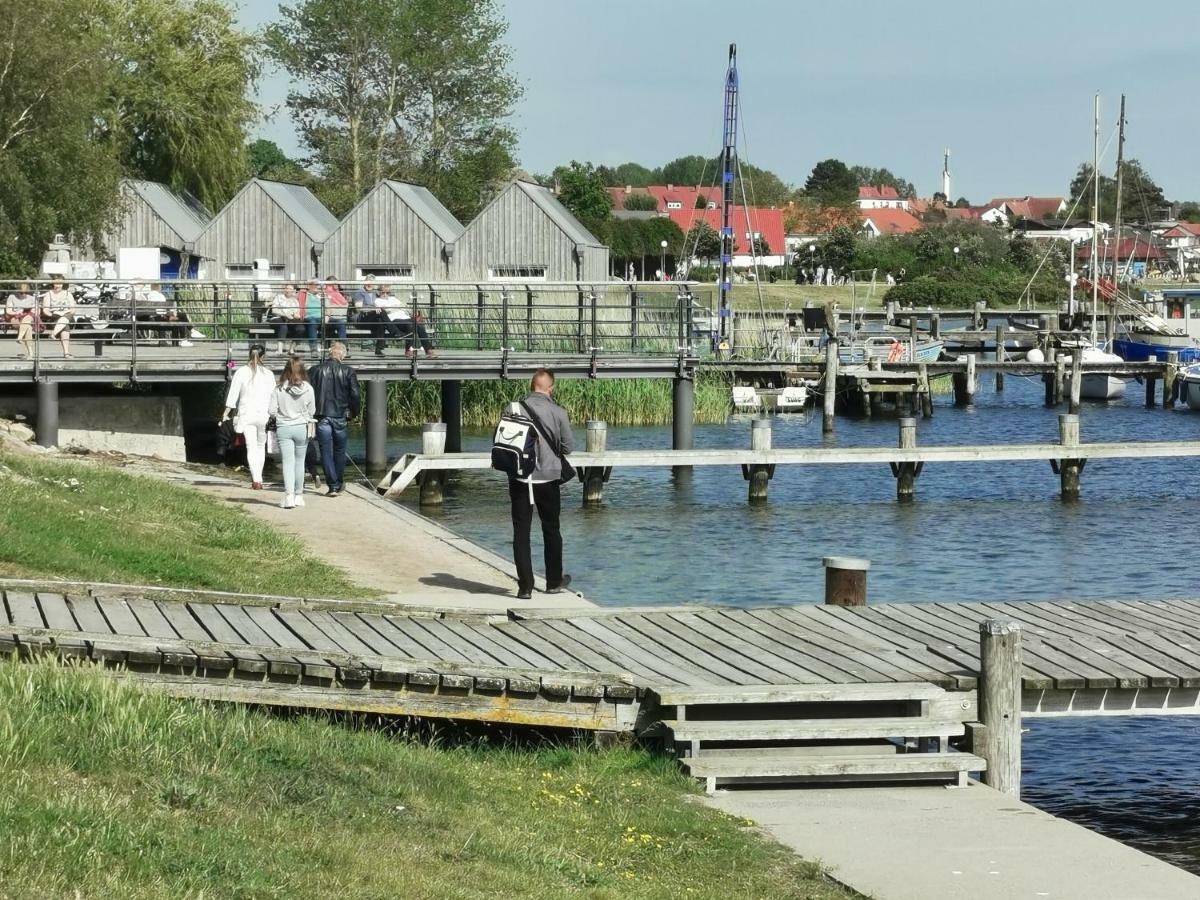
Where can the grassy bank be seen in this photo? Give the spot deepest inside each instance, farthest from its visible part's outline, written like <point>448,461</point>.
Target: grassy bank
<point>97,523</point>
<point>111,792</point>
<point>645,401</point>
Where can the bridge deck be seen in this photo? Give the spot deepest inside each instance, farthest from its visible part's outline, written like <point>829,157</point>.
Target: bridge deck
<point>587,670</point>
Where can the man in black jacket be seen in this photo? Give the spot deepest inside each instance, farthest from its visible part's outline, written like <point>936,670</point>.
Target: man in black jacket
<point>336,388</point>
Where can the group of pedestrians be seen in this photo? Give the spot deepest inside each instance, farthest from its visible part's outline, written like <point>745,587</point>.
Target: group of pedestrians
<point>297,406</point>
<point>318,309</point>
<point>28,316</point>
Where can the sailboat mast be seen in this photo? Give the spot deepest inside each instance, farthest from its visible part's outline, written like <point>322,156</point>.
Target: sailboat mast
<point>1095,212</point>
<point>1110,331</point>
<point>728,163</point>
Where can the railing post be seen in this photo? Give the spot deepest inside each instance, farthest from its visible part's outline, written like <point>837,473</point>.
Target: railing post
<point>529,318</point>
<point>594,303</point>
<point>1000,704</point>
<point>504,317</point>
<point>845,580</point>
<point>479,301</point>
<point>633,318</point>
<point>433,443</point>
<point>579,342</point>
<point>594,477</point>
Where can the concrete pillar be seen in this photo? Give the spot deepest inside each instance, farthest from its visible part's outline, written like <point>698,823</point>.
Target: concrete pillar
<point>376,423</point>
<point>683,411</point>
<point>452,413</point>
<point>1000,704</point>
<point>593,477</point>
<point>47,413</point>
<point>433,443</point>
<point>759,474</point>
<point>845,580</point>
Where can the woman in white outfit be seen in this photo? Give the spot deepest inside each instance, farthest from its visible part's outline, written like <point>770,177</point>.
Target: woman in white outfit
<point>294,406</point>
<point>247,401</point>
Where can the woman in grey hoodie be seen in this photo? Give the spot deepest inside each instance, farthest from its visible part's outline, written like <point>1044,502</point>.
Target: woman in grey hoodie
<point>294,406</point>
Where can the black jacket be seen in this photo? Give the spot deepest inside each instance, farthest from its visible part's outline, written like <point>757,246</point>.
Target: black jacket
<point>336,389</point>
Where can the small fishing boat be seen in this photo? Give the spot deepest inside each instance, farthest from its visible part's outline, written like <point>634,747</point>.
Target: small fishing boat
<point>1165,323</point>
<point>1189,385</point>
<point>890,348</point>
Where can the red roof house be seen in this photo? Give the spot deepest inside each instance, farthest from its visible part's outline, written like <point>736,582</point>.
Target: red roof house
<point>767,223</point>
<point>889,221</point>
<point>1029,207</point>
<point>667,197</point>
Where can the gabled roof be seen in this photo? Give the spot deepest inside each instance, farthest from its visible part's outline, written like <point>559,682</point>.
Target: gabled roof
<point>666,193</point>
<point>767,222</point>
<point>878,192</point>
<point>1183,229</point>
<point>183,213</point>
<point>301,206</point>
<point>1029,207</point>
<point>421,201</point>
<point>556,212</point>
<point>1138,247</point>
<point>891,220</point>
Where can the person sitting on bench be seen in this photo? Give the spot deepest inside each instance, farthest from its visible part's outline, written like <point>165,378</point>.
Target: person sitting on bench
<point>171,323</point>
<point>285,315</point>
<point>403,323</point>
<point>58,306</point>
<point>21,310</point>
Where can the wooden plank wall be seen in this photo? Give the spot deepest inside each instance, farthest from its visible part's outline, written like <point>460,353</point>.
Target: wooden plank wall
<point>382,230</point>
<point>250,227</point>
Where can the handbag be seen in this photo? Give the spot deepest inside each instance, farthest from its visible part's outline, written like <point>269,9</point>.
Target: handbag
<point>272,424</point>
<point>568,470</point>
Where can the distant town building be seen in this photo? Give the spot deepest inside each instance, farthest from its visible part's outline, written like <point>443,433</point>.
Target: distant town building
<point>749,223</point>
<point>1006,210</point>
<point>877,222</point>
<point>880,197</point>
<point>668,197</point>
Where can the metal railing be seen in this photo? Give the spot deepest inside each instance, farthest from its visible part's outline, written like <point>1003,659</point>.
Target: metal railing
<point>198,324</point>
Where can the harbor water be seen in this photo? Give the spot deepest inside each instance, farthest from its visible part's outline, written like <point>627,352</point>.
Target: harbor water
<point>977,531</point>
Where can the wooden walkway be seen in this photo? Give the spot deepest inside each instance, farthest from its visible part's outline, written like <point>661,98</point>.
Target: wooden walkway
<point>592,670</point>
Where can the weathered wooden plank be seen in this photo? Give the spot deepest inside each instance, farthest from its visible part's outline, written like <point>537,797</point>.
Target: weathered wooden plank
<point>245,660</point>
<point>283,661</point>
<point>802,664</point>
<point>89,618</point>
<point>23,609</point>
<point>516,632</point>
<point>813,729</point>
<point>702,650</point>
<point>436,644</point>
<point>496,646</point>
<point>765,764</point>
<point>727,631</point>
<point>579,654</point>
<point>1181,658</point>
<point>613,643</point>
<point>613,632</point>
<point>1183,613</point>
<point>404,645</point>
<point>58,616</point>
<point>822,693</point>
<point>364,634</point>
<point>337,632</point>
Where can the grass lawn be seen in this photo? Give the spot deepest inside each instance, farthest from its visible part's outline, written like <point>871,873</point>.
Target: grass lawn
<point>112,792</point>
<point>62,519</point>
<point>783,295</point>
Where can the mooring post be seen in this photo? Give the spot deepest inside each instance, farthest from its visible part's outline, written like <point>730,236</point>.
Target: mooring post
<point>759,474</point>
<point>1150,401</point>
<point>1044,335</point>
<point>1076,380</point>
<point>593,477</point>
<point>829,397</point>
<point>912,338</point>
<point>935,325</point>
<point>1069,468</point>
<point>1000,704</point>
<point>999,357</point>
<point>845,580</point>
<point>1060,378</point>
<point>906,472</point>
<point>971,381</point>
<point>452,413</point>
<point>959,380</point>
<point>926,394</point>
<point>977,316</point>
<point>433,443</point>
<point>47,413</point>
<point>1170,371</point>
<point>376,423</point>
<point>683,409</point>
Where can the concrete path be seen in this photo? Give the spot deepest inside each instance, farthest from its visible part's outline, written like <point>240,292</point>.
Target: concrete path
<point>928,843</point>
<point>390,548</point>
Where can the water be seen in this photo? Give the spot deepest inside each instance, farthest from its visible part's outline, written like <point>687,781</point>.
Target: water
<point>977,532</point>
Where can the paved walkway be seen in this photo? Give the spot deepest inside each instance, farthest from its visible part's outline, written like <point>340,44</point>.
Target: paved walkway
<point>930,843</point>
<point>390,548</point>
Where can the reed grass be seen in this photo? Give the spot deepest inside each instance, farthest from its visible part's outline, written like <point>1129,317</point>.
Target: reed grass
<point>110,791</point>
<point>643,401</point>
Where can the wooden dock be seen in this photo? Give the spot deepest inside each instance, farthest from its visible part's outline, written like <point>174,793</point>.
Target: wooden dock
<point>737,692</point>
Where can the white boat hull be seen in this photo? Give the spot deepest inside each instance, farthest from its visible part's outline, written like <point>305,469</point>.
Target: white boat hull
<point>1101,387</point>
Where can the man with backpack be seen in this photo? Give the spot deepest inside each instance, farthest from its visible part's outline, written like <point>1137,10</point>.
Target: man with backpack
<point>336,389</point>
<point>540,485</point>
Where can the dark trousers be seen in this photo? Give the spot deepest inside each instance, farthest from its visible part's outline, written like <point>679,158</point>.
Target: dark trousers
<point>548,501</point>
<point>331,438</point>
<point>414,331</point>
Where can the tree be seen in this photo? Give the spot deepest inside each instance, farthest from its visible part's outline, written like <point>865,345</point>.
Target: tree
<point>264,159</point>
<point>1190,211</point>
<point>640,203</point>
<point>632,174</point>
<point>869,177</point>
<point>831,183</point>
<point>701,201</point>
<point>838,249</point>
<point>180,78</point>
<point>418,90</point>
<point>582,192</point>
<point>1142,200</point>
<point>689,170</point>
<point>702,242</point>
<point>962,203</point>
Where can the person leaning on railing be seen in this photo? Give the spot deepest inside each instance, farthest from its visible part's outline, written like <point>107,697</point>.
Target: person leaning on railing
<point>21,310</point>
<point>58,306</point>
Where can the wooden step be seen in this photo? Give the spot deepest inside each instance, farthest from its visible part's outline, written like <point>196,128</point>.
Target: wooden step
<point>770,764</point>
<point>812,729</point>
<point>797,693</point>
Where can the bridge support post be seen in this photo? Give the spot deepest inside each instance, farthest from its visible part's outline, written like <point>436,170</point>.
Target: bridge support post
<point>376,423</point>
<point>999,357</point>
<point>959,380</point>
<point>1170,371</point>
<point>759,474</point>
<point>1000,704</point>
<point>1149,380</point>
<point>829,397</point>
<point>433,443</point>
<point>683,411</point>
<point>906,472</point>
<point>593,478</point>
<point>1068,469</point>
<point>845,580</point>
<point>47,413</point>
<point>452,413</point>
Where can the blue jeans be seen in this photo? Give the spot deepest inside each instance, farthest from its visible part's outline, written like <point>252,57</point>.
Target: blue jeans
<point>338,325</point>
<point>331,438</point>
<point>293,446</point>
<point>310,326</point>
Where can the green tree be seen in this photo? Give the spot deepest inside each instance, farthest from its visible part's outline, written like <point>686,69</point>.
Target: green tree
<point>689,170</point>
<point>582,192</point>
<point>640,203</point>
<point>832,183</point>
<point>702,242</point>
<point>634,175</point>
<point>1142,200</point>
<point>264,159</point>
<point>837,250</point>
<point>1190,211</point>
<point>412,89</point>
<point>871,177</point>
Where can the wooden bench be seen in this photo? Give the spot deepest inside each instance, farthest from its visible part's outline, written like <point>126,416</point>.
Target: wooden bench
<point>81,332</point>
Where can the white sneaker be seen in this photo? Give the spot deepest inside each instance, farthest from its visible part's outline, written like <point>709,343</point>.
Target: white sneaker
<point>298,500</point>
<point>288,501</point>
<point>186,344</point>
<point>197,333</point>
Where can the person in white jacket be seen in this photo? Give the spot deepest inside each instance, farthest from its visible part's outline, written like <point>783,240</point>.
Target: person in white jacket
<point>247,401</point>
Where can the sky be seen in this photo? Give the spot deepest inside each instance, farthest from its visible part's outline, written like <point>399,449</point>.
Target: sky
<point>1007,87</point>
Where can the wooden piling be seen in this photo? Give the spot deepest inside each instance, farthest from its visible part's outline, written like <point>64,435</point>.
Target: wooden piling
<point>830,387</point>
<point>912,338</point>
<point>977,315</point>
<point>1069,468</point>
<point>433,443</point>
<point>999,357</point>
<point>1044,335</point>
<point>759,474</point>
<point>906,472</point>
<point>1170,371</point>
<point>845,580</point>
<point>935,325</point>
<point>971,382</point>
<point>1151,403</point>
<point>1076,380</point>
<point>926,395</point>
<point>1060,377</point>
<point>593,477</point>
<point>1000,704</point>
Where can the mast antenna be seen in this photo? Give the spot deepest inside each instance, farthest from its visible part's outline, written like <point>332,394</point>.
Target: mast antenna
<point>728,166</point>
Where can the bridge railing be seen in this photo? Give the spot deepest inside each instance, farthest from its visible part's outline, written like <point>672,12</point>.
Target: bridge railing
<point>216,321</point>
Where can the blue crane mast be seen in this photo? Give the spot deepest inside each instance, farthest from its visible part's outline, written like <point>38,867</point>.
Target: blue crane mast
<point>728,164</point>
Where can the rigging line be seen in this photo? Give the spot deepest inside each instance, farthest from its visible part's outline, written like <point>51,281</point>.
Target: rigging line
<point>762,309</point>
<point>1070,213</point>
